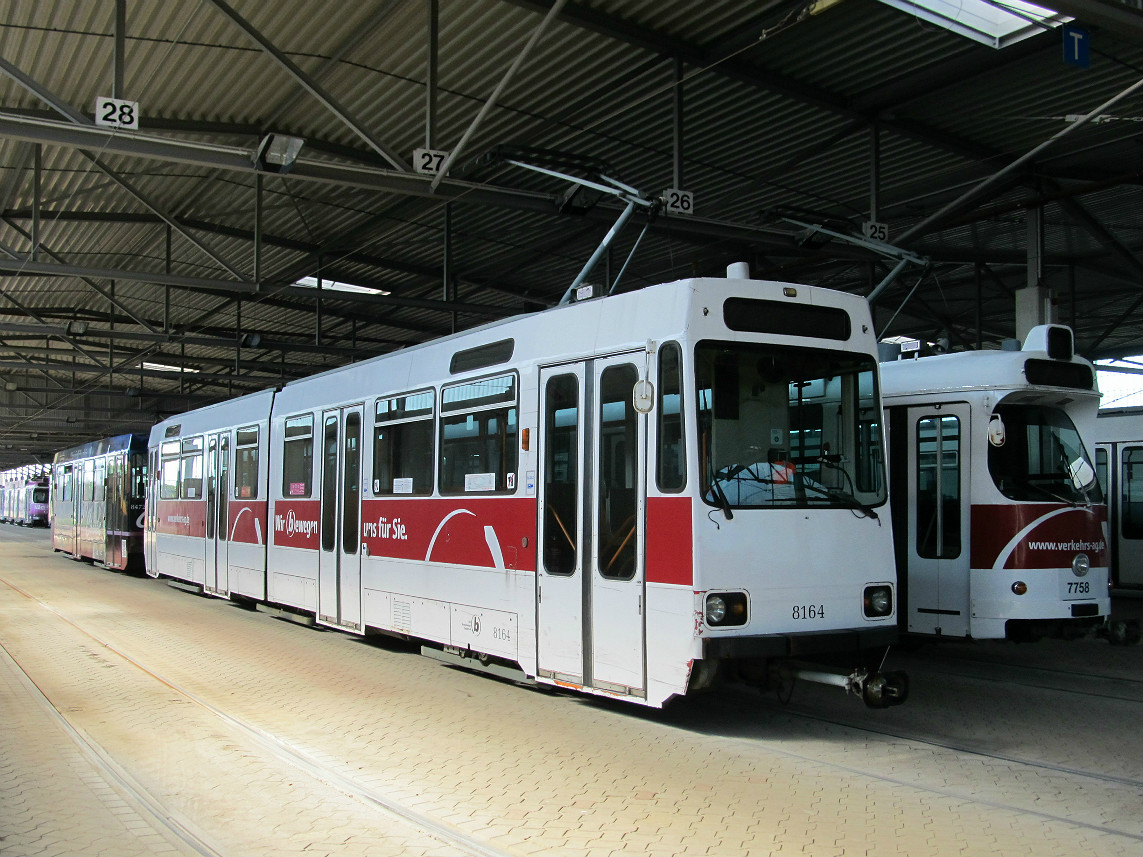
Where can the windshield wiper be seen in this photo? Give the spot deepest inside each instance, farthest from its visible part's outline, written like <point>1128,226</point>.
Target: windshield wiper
<point>1072,502</point>
<point>848,501</point>
<point>719,497</point>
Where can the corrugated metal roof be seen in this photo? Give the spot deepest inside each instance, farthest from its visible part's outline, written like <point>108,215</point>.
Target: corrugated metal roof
<point>779,108</point>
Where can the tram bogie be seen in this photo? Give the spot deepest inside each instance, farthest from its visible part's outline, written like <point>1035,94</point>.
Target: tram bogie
<point>998,516</point>
<point>617,495</point>
<point>97,501</point>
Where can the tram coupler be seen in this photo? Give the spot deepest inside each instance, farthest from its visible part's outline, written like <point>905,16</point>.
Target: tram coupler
<point>877,689</point>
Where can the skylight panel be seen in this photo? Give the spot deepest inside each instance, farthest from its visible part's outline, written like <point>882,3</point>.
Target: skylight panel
<point>335,286</point>
<point>163,367</point>
<point>996,23</point>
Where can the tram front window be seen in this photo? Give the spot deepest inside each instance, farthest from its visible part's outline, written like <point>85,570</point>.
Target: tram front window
<point>782,427</point>
<point>1042,457</point>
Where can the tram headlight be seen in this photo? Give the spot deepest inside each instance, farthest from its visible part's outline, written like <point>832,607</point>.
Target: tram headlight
<point>715,609</point>
<point>878,601</point>
<point>1081,565</point>
<point>726,608</point>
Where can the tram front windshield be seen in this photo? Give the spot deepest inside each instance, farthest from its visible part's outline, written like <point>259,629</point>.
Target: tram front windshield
<point>782,426</point>
<point>1042,457</point>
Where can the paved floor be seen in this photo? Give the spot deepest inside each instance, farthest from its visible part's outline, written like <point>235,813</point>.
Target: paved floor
<point>188,725</point>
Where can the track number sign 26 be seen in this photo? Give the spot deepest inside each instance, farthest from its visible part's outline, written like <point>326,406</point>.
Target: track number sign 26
<point>679,201</point>
<point>117,113</point>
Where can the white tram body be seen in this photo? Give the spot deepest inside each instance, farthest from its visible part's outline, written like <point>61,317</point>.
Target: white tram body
<point>24,500</point>
<point>998,515</point>
<point>615,495</point>
<point>1119,461</point>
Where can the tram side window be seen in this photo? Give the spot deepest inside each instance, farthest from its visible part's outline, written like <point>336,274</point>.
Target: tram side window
<point>938,487</point>
<point>190,469</point>
<point>138,466</point>
<point>298,457</point>
<point>64,484</point>
<point>671,452</point>
<point>403,447</point>
<point>169,471</point>
<point>561,473</point>
<point>1132,492</point>
<point>617,502</point>
<point>1101,469</point>
<point>478,436</point>
<point>246,464</point>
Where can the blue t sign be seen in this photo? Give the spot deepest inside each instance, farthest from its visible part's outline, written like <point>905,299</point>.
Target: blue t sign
<point>1077,47</point>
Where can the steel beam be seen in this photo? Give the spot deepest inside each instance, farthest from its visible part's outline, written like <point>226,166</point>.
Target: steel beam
<point>233,159</point>
<point>311,86</point>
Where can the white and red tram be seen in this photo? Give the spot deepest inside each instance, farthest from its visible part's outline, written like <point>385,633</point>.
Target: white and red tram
<point>997,512</point>
<point>618,495</point>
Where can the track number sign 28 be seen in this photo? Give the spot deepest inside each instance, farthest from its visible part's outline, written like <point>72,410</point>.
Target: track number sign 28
<point>117,113</point>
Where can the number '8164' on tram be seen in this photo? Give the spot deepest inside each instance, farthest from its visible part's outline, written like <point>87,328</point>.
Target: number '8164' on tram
<point>622,495</point>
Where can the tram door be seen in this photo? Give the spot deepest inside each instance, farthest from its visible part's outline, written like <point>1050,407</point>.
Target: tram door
<point>152,513</point>
<point>339,557</point>
<point>65,520</point>
<point>590,578</point>
<point>217,516</point>
<point>939,520</point>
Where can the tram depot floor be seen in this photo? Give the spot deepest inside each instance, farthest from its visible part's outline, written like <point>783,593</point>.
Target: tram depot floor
<point>137,718</point>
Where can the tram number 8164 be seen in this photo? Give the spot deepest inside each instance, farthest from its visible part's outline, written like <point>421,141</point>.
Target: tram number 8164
<point>808,611</point>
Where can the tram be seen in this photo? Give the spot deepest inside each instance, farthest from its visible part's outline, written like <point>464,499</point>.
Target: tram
<point>97,496</point>
<point>998,516</point>
<point>624,495</point>
<point>24,500</point>
<point>1119,462</point>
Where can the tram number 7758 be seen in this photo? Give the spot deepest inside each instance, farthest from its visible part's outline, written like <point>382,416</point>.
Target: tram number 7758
<point>1079,587</point>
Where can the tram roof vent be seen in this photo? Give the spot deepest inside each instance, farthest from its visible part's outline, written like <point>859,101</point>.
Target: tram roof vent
<point>738,271</point>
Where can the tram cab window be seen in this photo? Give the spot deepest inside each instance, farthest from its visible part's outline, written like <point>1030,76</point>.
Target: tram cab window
<point>478,436</point>
<point>246,464</point>
<point>403,445</point>
<point>671,472</point>
<point>169,471</point>
<point>784,426</point>
<point>1042,458</point>
<point>298,457</point>
<point>190,469</point>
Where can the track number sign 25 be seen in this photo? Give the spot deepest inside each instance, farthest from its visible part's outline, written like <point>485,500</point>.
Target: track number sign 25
<point>116,113</point>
